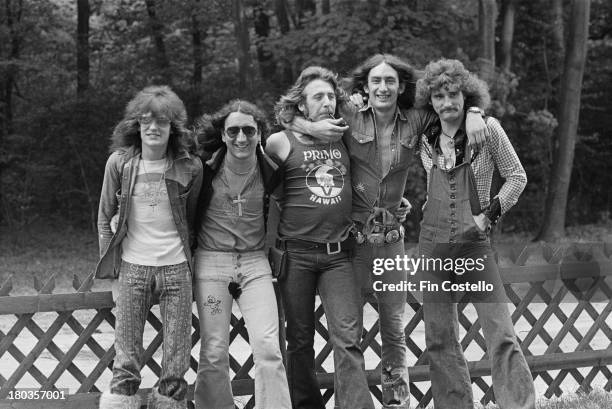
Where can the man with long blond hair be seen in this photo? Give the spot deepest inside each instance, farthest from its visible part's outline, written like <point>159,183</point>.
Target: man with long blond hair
<point>150,189</point>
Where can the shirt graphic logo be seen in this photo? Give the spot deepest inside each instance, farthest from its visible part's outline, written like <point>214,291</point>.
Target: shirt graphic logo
<point>325,182</point>
<point>324,175</point>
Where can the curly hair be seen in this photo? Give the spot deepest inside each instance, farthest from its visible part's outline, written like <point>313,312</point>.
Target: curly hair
<point>451,75</point>
<point>209,128</point>
<point>160,100</point>
<point>406,74</point>
<point>287,106</point>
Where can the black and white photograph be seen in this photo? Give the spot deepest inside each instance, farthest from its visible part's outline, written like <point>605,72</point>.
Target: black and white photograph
<point>305,204</point>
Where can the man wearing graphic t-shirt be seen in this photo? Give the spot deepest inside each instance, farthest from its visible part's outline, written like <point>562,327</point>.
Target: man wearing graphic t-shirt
<point>314,231</point>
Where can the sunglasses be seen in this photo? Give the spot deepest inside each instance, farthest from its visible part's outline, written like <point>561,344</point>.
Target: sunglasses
<point>148,120</point>
<point>248,131</point>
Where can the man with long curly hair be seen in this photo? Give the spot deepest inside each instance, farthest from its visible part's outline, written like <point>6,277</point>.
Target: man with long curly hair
<point>150,189</point>
<point>456,221</point>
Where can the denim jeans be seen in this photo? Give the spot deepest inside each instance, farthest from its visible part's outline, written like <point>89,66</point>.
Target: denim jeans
<point>450,378</point>
<point>257,302</point>
<point>391,308</point>
<point>332,276</point>
<point>137,285</point>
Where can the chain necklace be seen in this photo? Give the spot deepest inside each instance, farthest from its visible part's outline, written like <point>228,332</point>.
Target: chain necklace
<point>448,151</point>
<point>154,195</point>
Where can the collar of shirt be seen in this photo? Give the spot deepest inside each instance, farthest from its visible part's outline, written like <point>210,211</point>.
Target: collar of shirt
<point>398,112</point>
<point>460,140</point>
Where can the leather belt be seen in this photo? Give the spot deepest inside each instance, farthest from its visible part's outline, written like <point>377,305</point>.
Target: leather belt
<point>308,246</point>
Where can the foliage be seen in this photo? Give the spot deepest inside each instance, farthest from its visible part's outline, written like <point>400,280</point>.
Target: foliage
<point>53,153</point>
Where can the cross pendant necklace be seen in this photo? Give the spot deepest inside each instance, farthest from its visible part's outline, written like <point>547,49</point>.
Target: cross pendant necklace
<point>239,201</point>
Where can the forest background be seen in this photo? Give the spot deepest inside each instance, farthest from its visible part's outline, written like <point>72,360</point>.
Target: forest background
<point>68,67</point>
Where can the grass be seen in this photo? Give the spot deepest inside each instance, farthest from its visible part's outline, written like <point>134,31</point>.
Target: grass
<point>597,399</point>
<point>43,251</point>
<point>574,234</point>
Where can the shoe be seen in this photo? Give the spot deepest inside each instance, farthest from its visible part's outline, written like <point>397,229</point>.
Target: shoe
<point>159,401</point>
<point>395,389</point>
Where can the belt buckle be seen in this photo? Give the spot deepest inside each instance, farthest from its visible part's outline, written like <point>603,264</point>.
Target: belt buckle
<point>392,236</point>
<point>329,250</point>
<point>395,235</point>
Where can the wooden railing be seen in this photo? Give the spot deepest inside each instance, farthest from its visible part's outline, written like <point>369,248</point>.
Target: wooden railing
<point>561,295</point>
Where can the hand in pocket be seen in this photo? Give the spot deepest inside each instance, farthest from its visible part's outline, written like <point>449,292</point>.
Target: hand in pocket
<point>482,222</point>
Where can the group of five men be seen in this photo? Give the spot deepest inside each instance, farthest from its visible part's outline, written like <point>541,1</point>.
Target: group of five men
<point>339,173</point>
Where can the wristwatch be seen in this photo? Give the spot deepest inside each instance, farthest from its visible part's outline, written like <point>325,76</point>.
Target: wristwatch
<point>476,110</point>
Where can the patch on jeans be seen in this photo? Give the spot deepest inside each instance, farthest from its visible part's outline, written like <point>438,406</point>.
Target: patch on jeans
<point>214,304</point>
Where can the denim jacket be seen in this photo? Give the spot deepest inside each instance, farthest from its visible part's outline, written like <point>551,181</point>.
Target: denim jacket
<point>370,188</point>
<point>183,181</point>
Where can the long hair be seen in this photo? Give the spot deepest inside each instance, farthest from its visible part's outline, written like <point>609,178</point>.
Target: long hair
<point>209,128</point>
<point>160,100</point>
<point>287,106</point>
<point>406,74</point>
<point>451,75</point>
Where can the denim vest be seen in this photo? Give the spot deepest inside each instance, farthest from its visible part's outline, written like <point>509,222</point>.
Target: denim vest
<point>370,188</point>
<point>183,181</point>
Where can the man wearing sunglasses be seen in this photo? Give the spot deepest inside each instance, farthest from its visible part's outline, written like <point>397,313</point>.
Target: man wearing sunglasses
<point>230,262</point>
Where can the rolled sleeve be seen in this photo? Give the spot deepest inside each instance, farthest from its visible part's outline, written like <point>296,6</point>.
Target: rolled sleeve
<point>508,164</point>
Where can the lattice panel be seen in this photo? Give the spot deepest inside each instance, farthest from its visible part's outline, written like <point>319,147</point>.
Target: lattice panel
<point>560,307</point>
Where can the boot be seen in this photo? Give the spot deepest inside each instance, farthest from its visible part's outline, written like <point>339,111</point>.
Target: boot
<point>395,389</point>
<point>110,400</point>
<point>159,401</point>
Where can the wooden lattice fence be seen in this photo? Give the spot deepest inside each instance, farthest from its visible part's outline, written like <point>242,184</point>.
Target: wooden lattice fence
<point>561,297</point>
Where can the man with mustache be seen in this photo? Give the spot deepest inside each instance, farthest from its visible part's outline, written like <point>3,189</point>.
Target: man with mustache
<point>314,232</point>
<point>455,226</point>
<point>380,142</point>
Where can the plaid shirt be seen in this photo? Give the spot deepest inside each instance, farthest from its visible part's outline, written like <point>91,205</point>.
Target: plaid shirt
<point>496,152</point>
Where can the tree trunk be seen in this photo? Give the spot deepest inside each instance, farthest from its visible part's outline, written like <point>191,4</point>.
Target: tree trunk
<point>267,65</point>
<point>13,18</point>
<point>83,12</point>
<point>557,26</point>
<point>241,30</point>
<point>569,110</point>
<point>198,49</point>
<point>161,58</point>
<point>325,7</point>
<point>487,14</point>
<point>507,35</point>
<point>282,15</point>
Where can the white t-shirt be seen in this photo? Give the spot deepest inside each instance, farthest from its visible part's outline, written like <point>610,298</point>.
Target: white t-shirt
<point>152,238</point>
